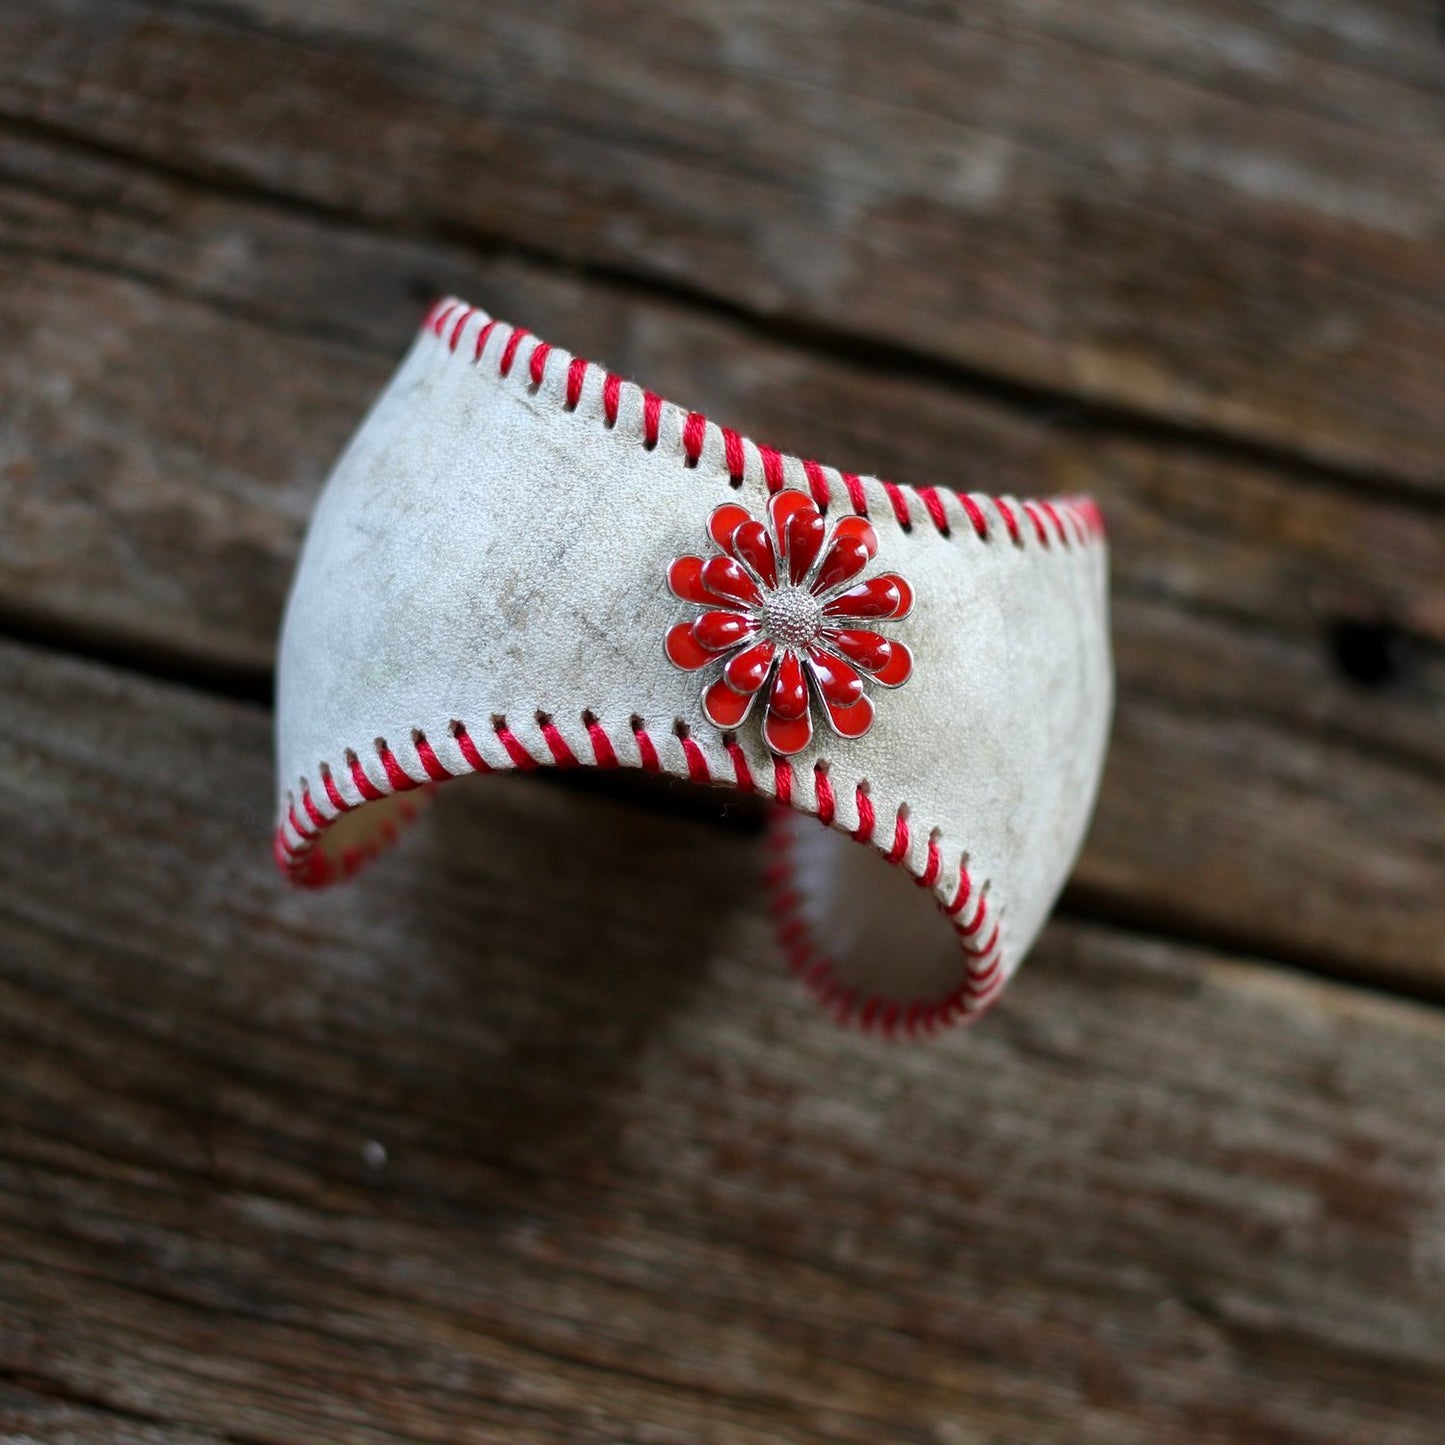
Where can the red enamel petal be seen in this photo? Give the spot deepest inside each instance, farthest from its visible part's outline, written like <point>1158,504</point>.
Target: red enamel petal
<point>846,558</point>
<point>683,649</point>
<point>851,722</point>
<point>805,540</point>
<point>838,682</point>
<point>859,529</point>
<point>725,577</point>
<point>877,597</point>
<point>684,577</point>
<point>718,631</point>
<point>897,670</point>
<point>783,506</point>
<point>906,605</point>
<point>868,650</point>
<point>787,735</point>
<point>751,544</point>
<point>788,698</point>
<point>747,671</point>
<point>724,521</point>
<point>725,708</point>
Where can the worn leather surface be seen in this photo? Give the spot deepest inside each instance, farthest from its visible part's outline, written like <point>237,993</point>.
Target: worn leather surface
<point>481,552</point>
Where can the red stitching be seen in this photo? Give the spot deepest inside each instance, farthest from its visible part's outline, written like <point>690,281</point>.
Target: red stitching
<point>401,781</point>
<point>983,950</point>
<point>824,790</point>
<point>867,822</point>
<point>970,930</point>
<point>1067,515</point>
<point>1051,512</point>
<point>333,793</point>
<point>364,785</point>
<point>975,515</point>
<point>511,744</point>
<point>646,749</point>
<point>436,317</point>
<point>694,431</point>
<point>741,771</point>
<point>933,865</point>
<point>899,503</point>
<point>783,781</point>
<point>818,484</point>
<point>900,840</point>
<point>318,818</point>
<point>697,769</point>
<point>429,760</point>
<point>1009,520</point>
<point>576,375</point>
<point>933,505</point>
<point>733,455</point>
<point>562,755</point>
<point>1032,513</point>
<point>772,468</point>
<point>980,986</point>
<point>602,749</point>
<point>475,761</point>
<point>651,418</point>
<point>296,839</point>
<point>965,889</point>
<point>509,352</point>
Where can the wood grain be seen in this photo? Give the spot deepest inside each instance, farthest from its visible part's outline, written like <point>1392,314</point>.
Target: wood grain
<point>1219,213</point>
<point>403,1162</point>
<point>512,1142</point>
<point>185,364</point>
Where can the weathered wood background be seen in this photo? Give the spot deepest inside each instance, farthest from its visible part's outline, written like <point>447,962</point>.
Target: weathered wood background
<point>418,1160</point>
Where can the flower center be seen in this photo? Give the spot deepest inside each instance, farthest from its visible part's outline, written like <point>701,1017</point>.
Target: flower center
<point>792,616</point>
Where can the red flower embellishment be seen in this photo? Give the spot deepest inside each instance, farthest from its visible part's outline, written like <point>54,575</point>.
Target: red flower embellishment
<point>787,618</point>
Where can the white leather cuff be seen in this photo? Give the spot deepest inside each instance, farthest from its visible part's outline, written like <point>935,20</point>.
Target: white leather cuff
<point>492,580</point>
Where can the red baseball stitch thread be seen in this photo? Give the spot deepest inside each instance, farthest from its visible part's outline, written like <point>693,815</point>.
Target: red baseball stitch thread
<point>576,375</point>
<point>429,760</point>
<point>697,769</point>
<point>980,986</point>
<point>1075,521</point>
<point>651,418</point>
<point>741,771</point>
<point>772,468</point>
<point>602,751</point>
<point>562,755</point>
<point>299,856</point>
<point>823,791</point>
<point>899,503</point>
<point>818,484</point>
<point>475,761</point>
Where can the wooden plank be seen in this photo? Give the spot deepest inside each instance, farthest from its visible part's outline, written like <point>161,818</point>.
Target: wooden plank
<point>184,366</point>
<point>28,1415</point>
<point>404,1162</point>
<point>1219,213</point>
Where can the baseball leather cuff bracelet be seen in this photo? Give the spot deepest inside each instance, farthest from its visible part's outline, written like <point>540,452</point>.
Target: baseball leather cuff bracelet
<point>522,560</point>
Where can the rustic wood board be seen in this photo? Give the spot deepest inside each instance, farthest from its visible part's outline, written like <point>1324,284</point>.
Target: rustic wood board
<point>446,1156</point>
<point>187,362</point>
<point>404,1162</point>
<point>1222,213</point>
